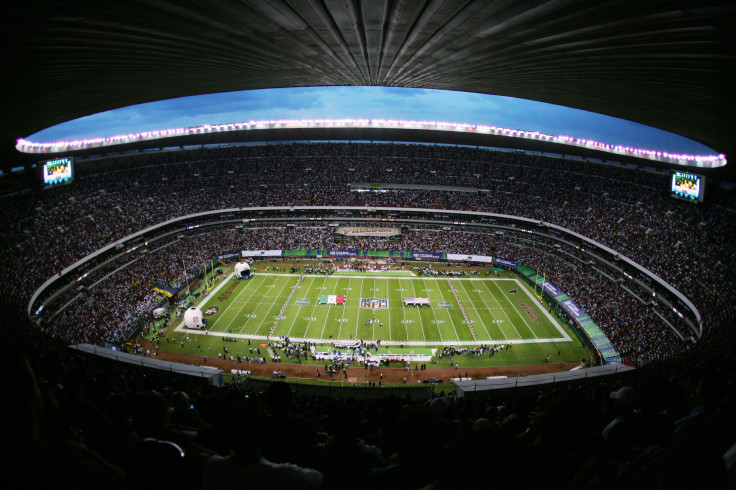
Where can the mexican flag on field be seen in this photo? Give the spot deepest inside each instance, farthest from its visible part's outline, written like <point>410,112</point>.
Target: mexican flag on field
<point>332,299</point>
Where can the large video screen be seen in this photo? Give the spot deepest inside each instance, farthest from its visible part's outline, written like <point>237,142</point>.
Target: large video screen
<point>58,171</point>
<point>687,186</point>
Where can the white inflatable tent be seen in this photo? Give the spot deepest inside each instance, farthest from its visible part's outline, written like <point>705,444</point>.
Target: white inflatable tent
<point>193,318</point>
<point>242,269</point>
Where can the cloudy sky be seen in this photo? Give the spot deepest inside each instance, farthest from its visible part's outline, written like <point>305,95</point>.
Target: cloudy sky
<point>370,102</point>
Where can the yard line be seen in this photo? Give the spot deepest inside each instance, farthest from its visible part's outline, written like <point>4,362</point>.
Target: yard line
<point>403,312</point>
<point>319,290</point>
<point>419,313</point>
<point>388,311</point>
<point>522,314</point>
<point>373,323</point>
<point>475,308</point>
<point>438,322</point>
<point>357,317</point>
<point>552,321</point>
<point>250,300</point>
<point>449,316</point>
<point>230,305</point>
<point>518,335</point>
<point>344,308</point>
<point>268,313</point>
<point>224,312</point>
<point>327,316</point>
<point>291,327</point>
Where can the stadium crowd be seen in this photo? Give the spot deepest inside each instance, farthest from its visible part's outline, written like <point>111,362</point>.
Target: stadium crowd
<point>76,421</point>
<point>625,209</point>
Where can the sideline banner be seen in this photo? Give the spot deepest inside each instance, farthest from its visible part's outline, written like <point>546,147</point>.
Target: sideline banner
<point>470,258</point>
<point>505,262</point>
<point>427,256</point>
<point>572,307</point>
<point>229,256</point>
<point>553,290</point>
<point>378,231</point>
<point>342,253</point>
<point>166,290</point>
<point>261,253</point>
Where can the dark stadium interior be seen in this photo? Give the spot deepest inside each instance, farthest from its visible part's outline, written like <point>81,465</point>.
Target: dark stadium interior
<point>74,420</point>
<point>665,64</point>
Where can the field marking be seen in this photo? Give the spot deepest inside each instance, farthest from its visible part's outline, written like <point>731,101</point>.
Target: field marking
<point>403,312</point>
<point>344,308</point>
<point>439,288</point>
<point>206,298</point>
<point>475,309</point>
<point>449,315</point>
<point>247,302</point>
<point>549,316</point>
<point>373,323</point>
<point>232,303</point>
<point>327,315</point>
<point>420,315</point>
<point>268,319</point>
<point>383,342</point>
<point>518,335</point>
<point>211,295</point>
<point>523,314</point>
<point>504,312</point>
<point>235,301</point>
<point>388,311</point>
<point>357,317</point>
<point>298,312</point>
<point>319,291</point>
<point>469,327</point>
<point>565,336</point>
<point>268,313</point>
<point>214,292</point>
<point>434,315</point>
<point>402,272</point>
<point>490,312</point>
<point>397,278</point>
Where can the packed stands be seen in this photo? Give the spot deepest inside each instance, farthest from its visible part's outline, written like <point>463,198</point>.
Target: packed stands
<point>88,422</point>
<point>625,209</point>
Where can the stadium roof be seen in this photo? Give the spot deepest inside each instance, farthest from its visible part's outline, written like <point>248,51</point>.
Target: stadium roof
<point>664,64</point>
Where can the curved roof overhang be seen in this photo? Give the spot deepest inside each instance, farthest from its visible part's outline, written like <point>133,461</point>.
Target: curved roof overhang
<point>664,64</point>
<point>410,133</point>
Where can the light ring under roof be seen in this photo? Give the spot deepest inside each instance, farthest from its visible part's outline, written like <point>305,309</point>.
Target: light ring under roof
<point>694,161</point>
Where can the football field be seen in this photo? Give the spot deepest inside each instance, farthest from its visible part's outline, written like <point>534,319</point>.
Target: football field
<point>461,311</point>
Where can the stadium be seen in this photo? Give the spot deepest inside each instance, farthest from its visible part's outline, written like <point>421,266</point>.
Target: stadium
<point>449,303</point>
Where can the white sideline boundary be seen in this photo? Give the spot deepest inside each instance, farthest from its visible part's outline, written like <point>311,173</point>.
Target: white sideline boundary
<point>564,337</point>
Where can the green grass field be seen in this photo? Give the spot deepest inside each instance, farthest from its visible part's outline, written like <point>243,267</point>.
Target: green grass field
<point>500,311</point>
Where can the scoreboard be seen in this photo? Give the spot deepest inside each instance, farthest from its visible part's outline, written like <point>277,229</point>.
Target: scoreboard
<point>687,186</point>
<point>57,172</point>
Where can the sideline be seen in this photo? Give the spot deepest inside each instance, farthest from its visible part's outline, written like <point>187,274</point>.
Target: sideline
<point>566,338</point>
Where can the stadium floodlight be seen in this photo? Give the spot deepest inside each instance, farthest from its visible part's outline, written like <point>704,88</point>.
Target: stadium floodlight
<point>704,161</point>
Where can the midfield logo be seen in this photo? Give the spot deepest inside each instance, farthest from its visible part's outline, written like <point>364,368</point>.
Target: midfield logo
<point>212,310</point>
<point>374,303</point>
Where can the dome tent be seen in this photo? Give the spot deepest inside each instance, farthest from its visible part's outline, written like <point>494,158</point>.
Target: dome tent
<point>242,270</point>
<point>193,318</point>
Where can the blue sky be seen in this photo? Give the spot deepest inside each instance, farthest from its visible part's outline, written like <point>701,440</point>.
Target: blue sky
<point>370,102</point>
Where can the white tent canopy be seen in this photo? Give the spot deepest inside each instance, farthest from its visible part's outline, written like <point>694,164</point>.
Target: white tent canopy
<point>193,318</point>
<point>242,268</point>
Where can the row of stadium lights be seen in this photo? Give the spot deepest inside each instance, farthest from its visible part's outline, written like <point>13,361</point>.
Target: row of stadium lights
<point>26,146</point>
